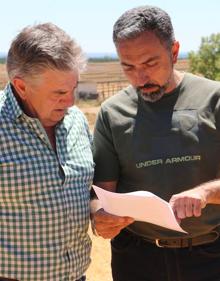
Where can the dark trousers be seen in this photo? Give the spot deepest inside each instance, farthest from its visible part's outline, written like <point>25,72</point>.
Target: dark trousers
<point>134,259</point>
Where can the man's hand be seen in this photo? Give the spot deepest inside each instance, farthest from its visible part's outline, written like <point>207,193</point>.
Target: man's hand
<point>108,225</point>
<point>188,203</point>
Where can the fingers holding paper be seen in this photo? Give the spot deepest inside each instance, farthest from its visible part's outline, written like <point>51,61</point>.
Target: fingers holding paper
<point>108,225</point>
<point>188,203</point>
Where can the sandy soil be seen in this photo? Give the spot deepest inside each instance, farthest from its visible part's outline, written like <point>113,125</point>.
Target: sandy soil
<point>100,268</point>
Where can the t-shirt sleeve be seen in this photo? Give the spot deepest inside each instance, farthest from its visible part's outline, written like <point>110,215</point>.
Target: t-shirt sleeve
<point>104,152</point>
<point>216,121</point>
<point>217,113</point>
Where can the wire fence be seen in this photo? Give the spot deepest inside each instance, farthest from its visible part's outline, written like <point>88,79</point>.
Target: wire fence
<point>107,89</point>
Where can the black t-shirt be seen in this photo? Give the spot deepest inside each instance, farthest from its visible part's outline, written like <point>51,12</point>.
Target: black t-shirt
<point>164,147</point>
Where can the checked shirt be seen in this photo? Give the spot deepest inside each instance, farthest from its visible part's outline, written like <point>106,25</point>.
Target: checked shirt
<point>44,196</point>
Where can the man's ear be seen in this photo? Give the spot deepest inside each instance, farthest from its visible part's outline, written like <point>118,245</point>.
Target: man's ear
<point>20,87</point>
<point>175,51</point>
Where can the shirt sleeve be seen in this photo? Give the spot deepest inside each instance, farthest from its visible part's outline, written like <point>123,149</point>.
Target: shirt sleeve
<point>104,152</point>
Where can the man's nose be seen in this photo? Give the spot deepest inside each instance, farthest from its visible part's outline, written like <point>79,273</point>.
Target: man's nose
<point>141,77</point>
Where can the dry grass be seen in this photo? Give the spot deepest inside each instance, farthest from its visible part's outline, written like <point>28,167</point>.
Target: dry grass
<point>103,71</point>
<point>3,76</point>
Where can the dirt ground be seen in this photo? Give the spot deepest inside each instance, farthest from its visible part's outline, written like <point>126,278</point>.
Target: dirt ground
<point>100,268</point>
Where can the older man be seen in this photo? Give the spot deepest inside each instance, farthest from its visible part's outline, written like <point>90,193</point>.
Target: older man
<point>46,164</point>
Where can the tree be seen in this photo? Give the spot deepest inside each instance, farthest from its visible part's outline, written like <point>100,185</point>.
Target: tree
<point>207,60</point>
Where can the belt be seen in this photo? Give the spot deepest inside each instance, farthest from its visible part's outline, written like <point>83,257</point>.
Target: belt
<point>183,242</point>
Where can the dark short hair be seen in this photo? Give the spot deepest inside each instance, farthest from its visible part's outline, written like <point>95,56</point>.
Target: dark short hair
<point>43,46</point>
<point>142,19</point>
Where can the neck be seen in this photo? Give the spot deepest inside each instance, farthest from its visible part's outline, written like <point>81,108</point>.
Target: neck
<point>176,79</point>
<point>51,136</point>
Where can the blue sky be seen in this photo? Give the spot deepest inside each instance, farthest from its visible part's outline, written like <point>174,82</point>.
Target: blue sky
<point>90,21</point>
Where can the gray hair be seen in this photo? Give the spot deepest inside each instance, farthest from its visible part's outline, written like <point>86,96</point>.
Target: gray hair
<point>141,19</point>
<point>43,46</point>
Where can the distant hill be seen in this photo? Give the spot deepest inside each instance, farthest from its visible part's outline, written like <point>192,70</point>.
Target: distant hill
<point>183,55</point>
<point>2,60</point>
<point>3,55</point>
<point>102,57</point>
<point>113,56</point>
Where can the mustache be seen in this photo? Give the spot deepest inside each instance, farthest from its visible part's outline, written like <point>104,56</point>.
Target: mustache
<point>148,86</point>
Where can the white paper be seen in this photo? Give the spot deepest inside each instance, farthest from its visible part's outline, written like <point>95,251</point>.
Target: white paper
<point>140,205</point>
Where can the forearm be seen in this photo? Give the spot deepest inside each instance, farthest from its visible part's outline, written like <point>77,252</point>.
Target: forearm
<point>211,191</point>
<point>191,202</point>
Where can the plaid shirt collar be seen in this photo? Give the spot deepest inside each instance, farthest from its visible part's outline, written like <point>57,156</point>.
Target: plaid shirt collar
<point>12,106</point>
